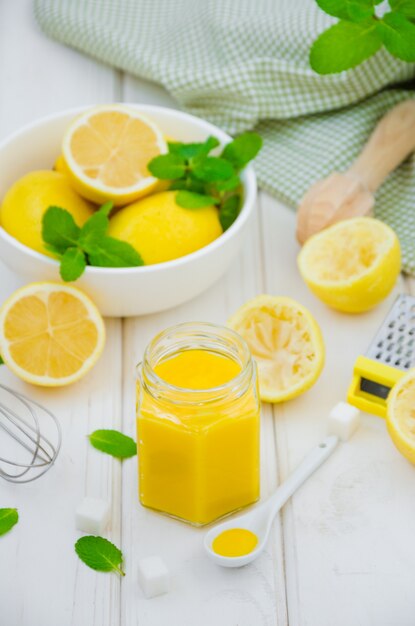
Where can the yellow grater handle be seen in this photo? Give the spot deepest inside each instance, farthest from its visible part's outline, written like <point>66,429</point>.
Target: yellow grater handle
<point>375,372</point>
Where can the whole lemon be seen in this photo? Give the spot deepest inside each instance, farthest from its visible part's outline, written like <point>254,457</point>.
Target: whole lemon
<point>161,230</point>
<point>27,200</point>
<point>60,165</point>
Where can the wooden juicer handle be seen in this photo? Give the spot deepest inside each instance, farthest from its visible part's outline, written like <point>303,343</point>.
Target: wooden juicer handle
<point>343,195</point>
<point>390,143</point>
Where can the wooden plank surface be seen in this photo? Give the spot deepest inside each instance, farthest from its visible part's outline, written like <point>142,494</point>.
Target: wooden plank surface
<point>341,553</point>
<point>41,580</point>
<point>348,558</point>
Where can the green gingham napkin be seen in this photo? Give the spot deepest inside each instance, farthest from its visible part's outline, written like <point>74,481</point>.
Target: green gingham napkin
<point>243,64</point>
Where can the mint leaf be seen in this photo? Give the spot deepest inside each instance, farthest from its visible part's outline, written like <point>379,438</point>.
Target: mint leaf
<point>347,9</point>
<point>189,184</point>
<point>360,10</point>
<point>242,149</point>
<point>114,443</point>
<point>191,200</point>
<point>229,211</point>
<point>191,150</point>
<point>52,249</point>
<point>109,252</point>
<point>96,226</point>
<point>344,46</point>
<point>228,185</point>
<point>99,554</point>
<point>405,7</point>
<point>167,166</point>
<point>1,360</point>
<point>73,264</point>
<point>106,208</point>
<point>398,36</point>
<point>211,169</point>
<point>8,518</point>
<point>59,229</point>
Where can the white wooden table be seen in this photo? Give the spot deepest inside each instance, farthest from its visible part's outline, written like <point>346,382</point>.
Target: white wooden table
<point>342,552</point>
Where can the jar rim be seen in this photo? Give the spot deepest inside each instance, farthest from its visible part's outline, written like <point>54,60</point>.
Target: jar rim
<point>207,330</point>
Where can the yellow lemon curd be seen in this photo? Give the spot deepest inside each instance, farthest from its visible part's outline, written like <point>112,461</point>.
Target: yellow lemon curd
<point>198,455</point>
<point>235,542</point>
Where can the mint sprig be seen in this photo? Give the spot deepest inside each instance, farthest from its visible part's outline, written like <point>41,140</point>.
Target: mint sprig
<point>114,443</point>
<point>76,247</point>
<point>360,33</point>
<point>398,34</point>
<point>99,554</point>
<point>8,519</point>
<point>344,46</point>
<point>204,180</point>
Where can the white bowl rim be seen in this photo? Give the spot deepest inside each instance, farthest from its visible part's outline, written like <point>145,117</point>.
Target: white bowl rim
<point>249,188</point>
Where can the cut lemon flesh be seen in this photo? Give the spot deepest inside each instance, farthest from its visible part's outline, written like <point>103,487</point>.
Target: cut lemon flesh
<point>286,343</point>
<point>106,151</point>
<point>352,265</point>
<point>400,418</point>
<point>50,334</point>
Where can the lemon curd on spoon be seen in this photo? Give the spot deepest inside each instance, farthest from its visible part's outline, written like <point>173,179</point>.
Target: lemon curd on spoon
<point>198,424</point>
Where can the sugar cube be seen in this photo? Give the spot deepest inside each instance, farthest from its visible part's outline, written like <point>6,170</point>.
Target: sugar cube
<point>153,576</point>
<point>92,515</point>
<point>343,420</point>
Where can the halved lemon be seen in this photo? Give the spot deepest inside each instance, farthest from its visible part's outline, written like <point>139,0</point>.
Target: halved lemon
<point>400,417</point>
<point>285,341</point>
<point>50,334</point>
<point>352,265</point>
<point>106,151</point>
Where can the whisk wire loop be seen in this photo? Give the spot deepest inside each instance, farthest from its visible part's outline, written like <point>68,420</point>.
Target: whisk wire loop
<point>25,425</point>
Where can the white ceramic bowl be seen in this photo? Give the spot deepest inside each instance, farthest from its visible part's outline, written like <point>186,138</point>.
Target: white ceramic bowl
<point>125,291</point>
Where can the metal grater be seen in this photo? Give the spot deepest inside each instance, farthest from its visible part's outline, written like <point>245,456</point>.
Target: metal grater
<point>389,356</point>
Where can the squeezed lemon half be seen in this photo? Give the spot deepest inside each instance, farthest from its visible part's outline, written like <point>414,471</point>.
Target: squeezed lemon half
<point>400,417</point>
<point>285,341</point>
<point>50,334</point>
<point>106,151</point>
<point>352,265</point>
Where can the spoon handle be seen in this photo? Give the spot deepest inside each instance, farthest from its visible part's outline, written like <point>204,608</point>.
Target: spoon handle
<point>308,466</point>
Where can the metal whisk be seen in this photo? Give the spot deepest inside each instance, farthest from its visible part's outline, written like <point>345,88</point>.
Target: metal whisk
<point>30,451</point>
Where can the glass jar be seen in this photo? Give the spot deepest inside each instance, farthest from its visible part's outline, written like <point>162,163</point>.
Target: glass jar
<point>198,442</point>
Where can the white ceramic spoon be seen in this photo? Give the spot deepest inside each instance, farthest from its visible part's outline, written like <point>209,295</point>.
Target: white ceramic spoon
<point>259,519</point>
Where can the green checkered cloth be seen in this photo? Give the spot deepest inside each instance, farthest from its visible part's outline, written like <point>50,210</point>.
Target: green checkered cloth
<point>243,64</point>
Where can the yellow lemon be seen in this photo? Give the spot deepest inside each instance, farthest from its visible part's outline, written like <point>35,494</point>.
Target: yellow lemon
<point>285,341</point>
<point>27,200</point>
<point>106,151</point>
<point>400,416</point>
<point>161,230</point>
<point>50,334</point>
<point>60,165</point>
<point>352,265</point>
